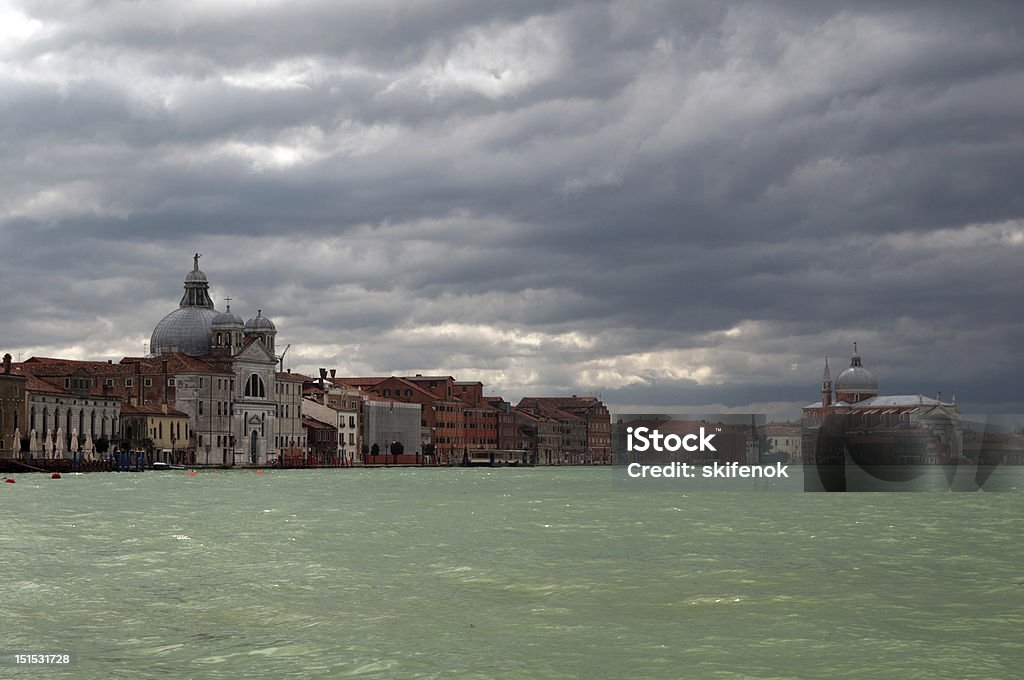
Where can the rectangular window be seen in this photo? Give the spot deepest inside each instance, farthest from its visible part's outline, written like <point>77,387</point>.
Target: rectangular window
<point>128,382</point>
<point>148,382</point>
<point>170,382</point>
<point>109,381</point>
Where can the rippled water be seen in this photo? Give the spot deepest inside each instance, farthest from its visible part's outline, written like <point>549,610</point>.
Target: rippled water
<point>537,573</point>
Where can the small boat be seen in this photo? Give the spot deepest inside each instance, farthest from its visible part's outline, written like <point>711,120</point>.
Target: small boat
<point>496,458</point>
<point>160,465</point>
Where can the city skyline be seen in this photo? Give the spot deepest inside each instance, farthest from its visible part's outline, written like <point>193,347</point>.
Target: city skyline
<point>689,205</point>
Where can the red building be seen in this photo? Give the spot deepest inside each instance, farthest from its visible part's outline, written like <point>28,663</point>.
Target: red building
<point>597,444</point>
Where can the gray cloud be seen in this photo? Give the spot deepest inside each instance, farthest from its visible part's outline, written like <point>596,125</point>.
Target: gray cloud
<point>674,203</point>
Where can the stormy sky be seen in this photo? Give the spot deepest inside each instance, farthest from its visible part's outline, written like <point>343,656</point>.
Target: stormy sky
<point>664,203</point>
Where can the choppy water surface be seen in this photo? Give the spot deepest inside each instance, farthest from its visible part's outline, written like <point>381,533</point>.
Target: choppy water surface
<point>538,573</point>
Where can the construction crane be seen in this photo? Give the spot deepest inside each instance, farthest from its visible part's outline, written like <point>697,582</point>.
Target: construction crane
<point>280,358</point>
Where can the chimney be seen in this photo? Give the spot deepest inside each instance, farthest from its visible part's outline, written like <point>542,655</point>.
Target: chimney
<point>334,372</point>
<point>7,364</point>
<point>110,361</point>
<point>323,374</point>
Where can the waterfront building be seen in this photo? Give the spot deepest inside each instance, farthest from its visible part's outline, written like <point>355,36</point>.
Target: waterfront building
<point>200,390</point>
<point>13,411</point>
<point>507,423</point>
<point>784,439</point>
<point>67,400</point>
<point>387,421</point>
<point>597,436</point>
<point>322,438</point>
<point>539,435</point>
<point>159,430</point>
<point>324,413</point>
<point>347,401</point>
<point>442,415</point>
<point>480,417</point>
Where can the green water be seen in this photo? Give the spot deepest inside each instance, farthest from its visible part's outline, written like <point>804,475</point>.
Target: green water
<point>536,573</point>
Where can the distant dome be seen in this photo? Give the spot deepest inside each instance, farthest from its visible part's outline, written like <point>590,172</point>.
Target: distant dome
<point>186,329</point>
<point>856,382</point>
<point>260,324</point>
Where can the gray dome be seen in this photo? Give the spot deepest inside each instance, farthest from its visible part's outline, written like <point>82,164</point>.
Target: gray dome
<point>196,276</point>
<point>186,329</point>
<point>856,379</point>
<point>228,319</point>
<point>260,324</point>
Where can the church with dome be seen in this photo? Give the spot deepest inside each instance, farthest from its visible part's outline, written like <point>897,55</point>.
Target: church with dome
<point>901,428</point>
<point>241,409</point>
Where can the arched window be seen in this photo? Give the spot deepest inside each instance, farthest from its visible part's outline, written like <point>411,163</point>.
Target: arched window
<point>254,387</point>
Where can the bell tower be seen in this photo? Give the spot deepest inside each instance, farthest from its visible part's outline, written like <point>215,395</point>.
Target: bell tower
<point>826,386</point>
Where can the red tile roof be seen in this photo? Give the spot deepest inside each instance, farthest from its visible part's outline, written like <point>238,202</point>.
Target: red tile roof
<point>149,409</point>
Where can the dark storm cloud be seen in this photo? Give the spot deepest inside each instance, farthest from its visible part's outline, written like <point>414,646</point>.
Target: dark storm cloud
<point>676,203</point>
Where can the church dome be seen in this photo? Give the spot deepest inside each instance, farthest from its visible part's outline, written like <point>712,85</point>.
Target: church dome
<point>856,383</point>
<point>260,324</point>
<point>228,319</point>
<point>187,329</point>
<point>196,276</point>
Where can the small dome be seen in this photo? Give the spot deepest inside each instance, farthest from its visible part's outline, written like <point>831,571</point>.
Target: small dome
<point>228,319</point>
<point>196,276</point>
<point>260,324</point>
<point>186,329</point>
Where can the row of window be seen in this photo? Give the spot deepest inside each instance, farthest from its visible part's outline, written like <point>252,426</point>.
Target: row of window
<point>69,422</point>
<point>174,430</point>
<point>398,393</point>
